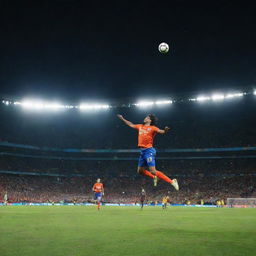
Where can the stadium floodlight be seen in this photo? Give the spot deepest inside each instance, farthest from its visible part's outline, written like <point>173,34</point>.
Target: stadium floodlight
<point>254,92</point>
<point>93,106</point>
<point>69,106</point>
<point>216,97</point>
<point>234,95</point>
<point>33,105</point>
<point>202,98</point>
<point>144,103</point>
<point>6,102</point>
<point>53,106</point>
<point>39,105</point>
<point>163,102</point>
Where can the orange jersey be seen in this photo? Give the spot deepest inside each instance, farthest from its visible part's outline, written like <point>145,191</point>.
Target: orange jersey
<point>146,135</point>
<point>98,187</point>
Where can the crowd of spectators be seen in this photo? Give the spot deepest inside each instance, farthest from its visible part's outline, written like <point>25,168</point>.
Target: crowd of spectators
<point>206,180</point>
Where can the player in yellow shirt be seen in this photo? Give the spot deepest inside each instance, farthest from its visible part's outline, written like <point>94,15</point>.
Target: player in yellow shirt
<point>165,201</point>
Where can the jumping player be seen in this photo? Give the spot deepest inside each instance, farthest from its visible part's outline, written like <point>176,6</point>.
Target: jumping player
<point>142,198</point>
<point>98,190</point>
<point>146,134</point>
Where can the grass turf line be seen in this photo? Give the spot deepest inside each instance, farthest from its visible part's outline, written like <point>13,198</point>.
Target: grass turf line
<point>82,230</point>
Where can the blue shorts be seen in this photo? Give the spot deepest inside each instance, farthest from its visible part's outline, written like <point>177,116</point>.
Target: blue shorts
<point>97,196</point>
<point>147,157</point>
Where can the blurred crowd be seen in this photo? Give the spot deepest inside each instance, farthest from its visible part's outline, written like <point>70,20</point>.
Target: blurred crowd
<point>205,180</point>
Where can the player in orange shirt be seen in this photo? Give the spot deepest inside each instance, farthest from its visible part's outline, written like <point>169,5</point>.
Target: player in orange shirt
<point>146,134</point>
<point>98,190</point>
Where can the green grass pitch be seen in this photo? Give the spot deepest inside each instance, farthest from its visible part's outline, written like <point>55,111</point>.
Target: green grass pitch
<point>82,230</point>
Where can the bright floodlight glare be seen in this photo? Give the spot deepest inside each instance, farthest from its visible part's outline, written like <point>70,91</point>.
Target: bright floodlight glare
<point>144,103</point>
<point>216,97</point>
<point>53,106</point>
<point>163,102</point>
<point>6,102</point>
<point>234,95</point>
<point>93,106</point>
<point>69,106</point>
<point>38,105</point>
<point>34,105</point>
<point>254,92</point>
<point>202,98</point>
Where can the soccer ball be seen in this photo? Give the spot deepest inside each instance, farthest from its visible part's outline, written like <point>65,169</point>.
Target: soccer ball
<point>163,48</point>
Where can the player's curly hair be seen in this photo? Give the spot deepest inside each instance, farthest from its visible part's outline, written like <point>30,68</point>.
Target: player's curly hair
<point>153,119</point>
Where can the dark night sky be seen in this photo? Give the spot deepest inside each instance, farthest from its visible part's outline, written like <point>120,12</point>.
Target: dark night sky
<point>75,49</point>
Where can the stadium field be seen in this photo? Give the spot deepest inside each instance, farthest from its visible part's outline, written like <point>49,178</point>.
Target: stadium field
<point>82,230</point>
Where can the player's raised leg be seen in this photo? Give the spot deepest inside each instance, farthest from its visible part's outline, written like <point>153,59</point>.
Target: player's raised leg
<point>162,176</point>
<point>142,170</point>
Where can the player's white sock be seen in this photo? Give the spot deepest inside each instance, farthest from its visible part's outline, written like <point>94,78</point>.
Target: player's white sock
<point>155,180</point>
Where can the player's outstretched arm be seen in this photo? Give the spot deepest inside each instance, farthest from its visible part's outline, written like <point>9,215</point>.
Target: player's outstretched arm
<point>126,121</point>
<point>166,130</point>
